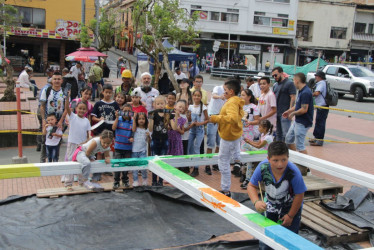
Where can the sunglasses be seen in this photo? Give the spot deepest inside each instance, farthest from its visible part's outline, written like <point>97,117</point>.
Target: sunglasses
<point>275,75</point>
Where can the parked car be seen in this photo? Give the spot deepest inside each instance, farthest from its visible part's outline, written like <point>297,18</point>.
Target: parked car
<point>348,79</point>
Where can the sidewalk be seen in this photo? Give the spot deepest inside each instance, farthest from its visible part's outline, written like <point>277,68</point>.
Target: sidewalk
<point>124,54</point>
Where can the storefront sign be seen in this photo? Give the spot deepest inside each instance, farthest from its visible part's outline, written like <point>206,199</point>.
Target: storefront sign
<point>275,50</point>
<point>291,25</point>
<point>276,22</point>
<point>224,45</point>
<point>250,47</point>
<point>280,31</point>
<point>204,15</point>
<point>68,28</point>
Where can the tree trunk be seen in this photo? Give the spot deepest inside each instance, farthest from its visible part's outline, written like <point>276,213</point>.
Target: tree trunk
<point>157,68</point>
<point>9,95</point>
<point>170,73</point>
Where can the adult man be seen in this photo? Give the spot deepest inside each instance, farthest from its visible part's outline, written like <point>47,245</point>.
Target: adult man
<point>203,64</point>
<point>303,112</point>
<point>52,101</point>
<point>249,81</point>
<point>179,75</point>
<point>197,85</point>
<point>121,63</point>
<point>26,82</point>
<point>126,83</point>
<point>76,70</point>
<point>96,74</point>
<point>285,93</point>
<point>255,88</point>
<point>69,83</point>
<point>214,107</point>
<point>146,91</point>
<point>193,70</point>
<point>321,116</point>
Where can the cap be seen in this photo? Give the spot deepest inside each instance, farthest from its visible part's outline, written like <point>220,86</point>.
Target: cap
<point>126,74</point>
<point>259,75</point>
<point>177,68</point>
<point>97,62</point>
<point>49,70</point>
<point>321,74</point>
<point>136,93</point>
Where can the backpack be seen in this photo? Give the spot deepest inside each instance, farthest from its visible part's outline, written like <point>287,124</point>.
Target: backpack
<point>331,97</point>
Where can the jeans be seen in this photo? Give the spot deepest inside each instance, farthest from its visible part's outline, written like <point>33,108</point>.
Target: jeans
<point>227,150</point>
<point>195,139</point>
<point>212,136</point>
<point>297,133</point>
<point>283,125</point>
<point>294,226</point>
<point>52,153</point>
<point>158,147</point>
<point>34,88</point>
<point>94,88</point>
<point>320,125</point>
<point>141,154</point>
<point>120,154</point>
<point>81,85</point>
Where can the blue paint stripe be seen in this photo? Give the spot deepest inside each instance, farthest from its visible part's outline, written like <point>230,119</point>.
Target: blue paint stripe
<point>289,239</point>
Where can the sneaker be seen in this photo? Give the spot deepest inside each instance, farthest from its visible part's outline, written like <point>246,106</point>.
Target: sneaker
<point>207,170</point>
<point>145,182</point>
<point>76,178</point>
<point>89,185</point>
<point>126,183</point>
<point>63,178</point>
<point>135,184</point>
<point>228,194</point>
<point>38,148</point>
<point>242,178</point>
<point>316,143</point>
<point>195,172</point>
<point>215,167</point>
<point>236,169</point>
<point>97,187</point>
<point>244,184</point>
<point>115,185</point>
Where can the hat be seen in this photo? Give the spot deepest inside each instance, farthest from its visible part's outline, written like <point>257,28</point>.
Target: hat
<point>126,73</point>
<point>259,75</point>
<point>177,68</point>
<point>136,93</point>
<point>320,74</point>
<point>97,62</point>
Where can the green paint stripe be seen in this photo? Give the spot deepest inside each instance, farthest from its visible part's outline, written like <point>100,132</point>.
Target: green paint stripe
<point>188,156</point>
<point>174,171</point>
<point>257,152</point>
<point>129,162</point>
<point>260,220</point>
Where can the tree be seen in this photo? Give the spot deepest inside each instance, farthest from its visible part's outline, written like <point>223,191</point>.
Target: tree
<point>8,18</point>
<point>156,20</point>
<point>84,37</point>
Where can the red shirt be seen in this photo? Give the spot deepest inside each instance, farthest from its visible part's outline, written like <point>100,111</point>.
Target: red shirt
<point>139,109</point>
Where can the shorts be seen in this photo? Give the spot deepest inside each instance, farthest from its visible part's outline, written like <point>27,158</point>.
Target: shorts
<point>296,134</point>
<point>213,136</point>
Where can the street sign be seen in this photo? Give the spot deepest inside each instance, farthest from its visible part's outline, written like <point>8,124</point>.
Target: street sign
<point>217,43</point>
<point>215,48</point>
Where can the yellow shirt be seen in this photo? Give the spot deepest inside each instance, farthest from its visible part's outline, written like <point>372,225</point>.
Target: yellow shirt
<point>167,107</point>
<point>204,98</point>
<point>230,127</point>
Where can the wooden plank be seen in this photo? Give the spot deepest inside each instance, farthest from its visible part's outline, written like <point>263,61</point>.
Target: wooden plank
<point>325,212</point>
<point>322,223</point>
<point>328,219</point>
<point>317,227</point>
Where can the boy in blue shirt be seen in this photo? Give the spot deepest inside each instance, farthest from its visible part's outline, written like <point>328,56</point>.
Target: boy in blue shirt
<point>284,187</point>
<point>123,142</point>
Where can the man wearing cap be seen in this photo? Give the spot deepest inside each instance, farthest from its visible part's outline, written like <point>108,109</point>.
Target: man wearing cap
<point>96,72</point>
<point>255,88</point>
<point>321,116</point>
<point>179,75</point>
<point>285,93</point>
<point>147,93</point>
<point>126,83</point>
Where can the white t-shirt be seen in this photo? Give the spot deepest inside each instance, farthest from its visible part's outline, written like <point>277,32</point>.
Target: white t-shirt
<point>78,128</point>
<point>265,103</point>
<point>250,111</point>
<point>180,76</point>
<point>215,105</point>
<point>55,103</point>
<point>195,110</point>
<point>255,88</point>
<point>24,79</point>
<point>98,149</point>
<point>268,138</point>
<point>75,71</point>
<point>52,140</point>
<point>186,124</point>
<point>148,98</point>
<point>140,140</point>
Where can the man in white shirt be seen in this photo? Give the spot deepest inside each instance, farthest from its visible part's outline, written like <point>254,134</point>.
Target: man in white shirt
<point>25,81</point>
<point>255,88</point>
<point>216,103</point>
<point>76,70</point>
<point>179,75</point>
<point>146,91</point>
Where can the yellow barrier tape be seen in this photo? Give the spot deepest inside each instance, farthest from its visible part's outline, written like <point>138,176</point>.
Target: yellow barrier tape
<point>16,110</point>
<point>22,132</point>
<point>345,110</point>
<point>346,142</point>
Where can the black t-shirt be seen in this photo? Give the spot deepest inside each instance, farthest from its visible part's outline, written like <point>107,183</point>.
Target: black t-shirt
<point>160,129</point>
<point>106,110</point>
<point>282,91</point>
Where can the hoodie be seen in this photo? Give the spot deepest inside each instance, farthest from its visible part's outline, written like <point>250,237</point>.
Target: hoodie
<point>230,127</point>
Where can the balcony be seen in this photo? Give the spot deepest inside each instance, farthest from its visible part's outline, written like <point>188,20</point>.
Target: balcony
<point>365,37</point>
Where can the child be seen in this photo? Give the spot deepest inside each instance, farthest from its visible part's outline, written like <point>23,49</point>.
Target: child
<point>186,132</point>
<point>171,101</point>
<point>175,136</point>
<point>120,99</point>
<point>266,130</point>
<point>53,136</point>
<point>267,102</point>
<point>159,122</point>
<point>85,154</point>
<point>199,117</point>
<point>230,129</point>
<point>123,142</point>
<point>185,93</point>
<point>105,110</point>
<point>85,97</point>
<point>137,107</point>
<point>284,188</point>
<point>79,127</point>
<point>140,144</point>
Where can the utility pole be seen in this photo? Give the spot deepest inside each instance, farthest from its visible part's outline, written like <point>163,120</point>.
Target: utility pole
<point>97,13</point>
<point>83,14</point>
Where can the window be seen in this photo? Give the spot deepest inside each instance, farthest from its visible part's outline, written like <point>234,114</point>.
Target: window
<point>360,27</point>
<point>31,17</point>
<point>342,72</point>
<point>304,30</point>
<point>282,1</point>
<point>370,30</point>
<point>261,20</point>
<point>331,71</point>
<point>224,17</point>
<point>338,33</point>
<point>214,16</point>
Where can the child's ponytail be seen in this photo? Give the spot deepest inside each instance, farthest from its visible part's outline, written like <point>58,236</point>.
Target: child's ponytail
<point>267,125</point>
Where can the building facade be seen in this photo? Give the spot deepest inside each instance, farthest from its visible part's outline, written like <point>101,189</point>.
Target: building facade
<point>47,32</point>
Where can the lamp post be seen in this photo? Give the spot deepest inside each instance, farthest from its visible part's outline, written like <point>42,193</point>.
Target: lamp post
<point>228,49</point>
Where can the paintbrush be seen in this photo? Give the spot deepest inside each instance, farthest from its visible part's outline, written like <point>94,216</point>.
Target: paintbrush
<point>262,197</point>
